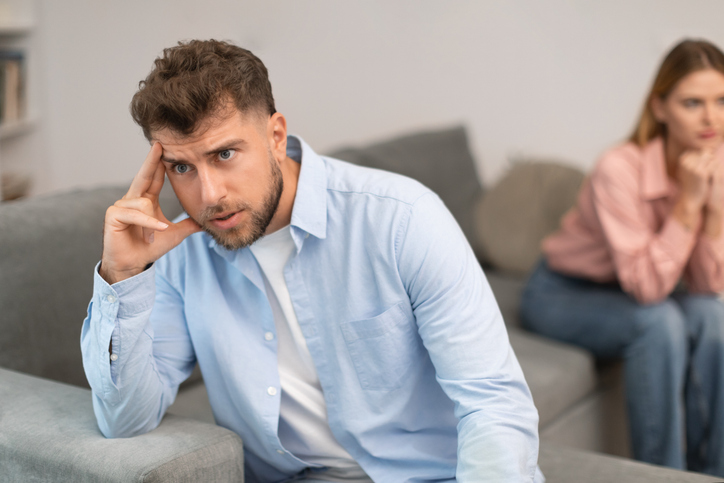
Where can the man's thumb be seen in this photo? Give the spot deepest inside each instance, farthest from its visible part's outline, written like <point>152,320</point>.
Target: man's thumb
<point>184,228</point>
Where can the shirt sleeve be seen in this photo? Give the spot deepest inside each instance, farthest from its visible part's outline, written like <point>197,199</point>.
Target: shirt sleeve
<point>463,331</point>
<point>705,270</point>
<point>141,320</point>
<point>648,263</point>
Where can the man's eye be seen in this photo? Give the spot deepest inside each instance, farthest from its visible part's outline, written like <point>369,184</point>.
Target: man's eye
<point>181,168</point>
<point>226,154</point>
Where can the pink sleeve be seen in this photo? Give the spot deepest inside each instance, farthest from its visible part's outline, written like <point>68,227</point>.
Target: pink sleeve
<point>648,264</point>
<point>705,271</point>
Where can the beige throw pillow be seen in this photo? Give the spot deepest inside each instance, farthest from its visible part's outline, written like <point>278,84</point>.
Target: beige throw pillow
<point>514,216</point>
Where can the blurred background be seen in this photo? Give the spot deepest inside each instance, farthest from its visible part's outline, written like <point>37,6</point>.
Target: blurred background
<point>558,79</point>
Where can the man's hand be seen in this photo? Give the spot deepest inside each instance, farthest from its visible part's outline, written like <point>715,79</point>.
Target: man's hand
<point>136,232</point>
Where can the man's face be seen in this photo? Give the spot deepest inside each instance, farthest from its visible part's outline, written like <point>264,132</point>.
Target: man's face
<point>225,176</point>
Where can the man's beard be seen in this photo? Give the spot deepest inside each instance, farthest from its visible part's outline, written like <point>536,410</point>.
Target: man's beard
<point>245,234</point>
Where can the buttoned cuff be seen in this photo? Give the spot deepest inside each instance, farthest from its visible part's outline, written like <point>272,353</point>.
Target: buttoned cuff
<point>133,295</point>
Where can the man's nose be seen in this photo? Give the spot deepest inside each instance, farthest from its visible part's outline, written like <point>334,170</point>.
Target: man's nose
<point>212,186</point>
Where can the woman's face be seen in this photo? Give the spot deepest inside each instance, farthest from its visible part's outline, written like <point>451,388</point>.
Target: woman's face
<point>693,112</point>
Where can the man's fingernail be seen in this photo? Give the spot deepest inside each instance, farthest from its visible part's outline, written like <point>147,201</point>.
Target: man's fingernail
<point>150,238</point>
<point>162,224</point>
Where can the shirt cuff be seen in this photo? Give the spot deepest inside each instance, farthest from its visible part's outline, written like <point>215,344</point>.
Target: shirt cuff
<point>133,295</point>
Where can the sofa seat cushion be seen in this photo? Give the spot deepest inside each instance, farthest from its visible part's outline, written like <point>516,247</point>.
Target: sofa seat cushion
<point>559,375</point>
<point>560,464</point>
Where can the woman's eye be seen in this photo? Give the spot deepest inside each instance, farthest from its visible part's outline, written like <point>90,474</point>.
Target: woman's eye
<point>226,154</point>
<point>691,102</point>
<point>181,168</point>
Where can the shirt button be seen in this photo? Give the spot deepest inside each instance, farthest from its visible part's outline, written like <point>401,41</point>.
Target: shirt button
<point>111,298</point>
<point>114,357</point>
<point>306,235</point>
<point>280,451</point>
<point>272,391</point>
<point>268,336</point>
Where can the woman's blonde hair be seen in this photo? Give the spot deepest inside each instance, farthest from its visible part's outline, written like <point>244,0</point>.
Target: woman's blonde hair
<point>687,57</point>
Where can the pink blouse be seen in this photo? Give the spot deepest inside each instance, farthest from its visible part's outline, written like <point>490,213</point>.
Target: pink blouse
<point>623,228</point>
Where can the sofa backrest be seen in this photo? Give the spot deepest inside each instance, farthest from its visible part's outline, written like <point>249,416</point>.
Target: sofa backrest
<point>48,248</point>
<point>440,159</point>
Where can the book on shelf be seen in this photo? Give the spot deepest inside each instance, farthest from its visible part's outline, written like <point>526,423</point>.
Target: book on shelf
<point>12,86</point>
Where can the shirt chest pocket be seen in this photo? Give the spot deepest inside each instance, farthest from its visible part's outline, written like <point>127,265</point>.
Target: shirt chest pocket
<point>384,348</point>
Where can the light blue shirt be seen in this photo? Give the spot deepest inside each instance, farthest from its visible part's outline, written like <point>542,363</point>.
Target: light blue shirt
<point>408,342</point>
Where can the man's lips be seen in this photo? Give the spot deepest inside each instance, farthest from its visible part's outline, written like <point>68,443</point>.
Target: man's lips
<point>226,217</point>
<point>226,221</point>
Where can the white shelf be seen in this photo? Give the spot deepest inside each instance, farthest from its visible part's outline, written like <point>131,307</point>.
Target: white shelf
<point>8,28</point>
<point>17,29</point>
<point>16,128</point>
<point>17,17</point>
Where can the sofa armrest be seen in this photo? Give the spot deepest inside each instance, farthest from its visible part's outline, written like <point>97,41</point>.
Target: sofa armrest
<point>48,432</point>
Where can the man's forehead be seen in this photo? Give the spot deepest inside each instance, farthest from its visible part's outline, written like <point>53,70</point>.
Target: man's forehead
<point>210,126</point>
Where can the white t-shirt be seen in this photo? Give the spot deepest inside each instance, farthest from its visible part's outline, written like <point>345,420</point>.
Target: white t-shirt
<point>303,426</point>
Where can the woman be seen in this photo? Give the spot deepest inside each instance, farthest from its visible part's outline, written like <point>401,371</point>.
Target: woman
<point>636,265</point>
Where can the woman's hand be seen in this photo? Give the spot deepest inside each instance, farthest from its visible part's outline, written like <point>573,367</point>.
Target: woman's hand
<point>715,197</point>
<point>694,173</point>
<point>714,207</point>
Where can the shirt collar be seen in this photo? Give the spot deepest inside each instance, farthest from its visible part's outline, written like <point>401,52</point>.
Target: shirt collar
<point>310,203</point>
<point>654,178</point>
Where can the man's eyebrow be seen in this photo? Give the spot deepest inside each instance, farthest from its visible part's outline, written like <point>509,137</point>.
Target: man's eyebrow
<point>228,144</point>
<point>166,159</point>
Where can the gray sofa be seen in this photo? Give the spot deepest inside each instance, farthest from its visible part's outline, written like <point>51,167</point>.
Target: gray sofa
<point>49,245</point>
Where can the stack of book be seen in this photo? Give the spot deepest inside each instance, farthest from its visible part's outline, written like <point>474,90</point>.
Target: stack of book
<point>12,86</point>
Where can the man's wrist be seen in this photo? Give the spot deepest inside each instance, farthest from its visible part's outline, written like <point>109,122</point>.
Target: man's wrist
<point>111,276</point>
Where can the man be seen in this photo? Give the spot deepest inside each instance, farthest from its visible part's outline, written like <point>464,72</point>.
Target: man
<point>341,321</point>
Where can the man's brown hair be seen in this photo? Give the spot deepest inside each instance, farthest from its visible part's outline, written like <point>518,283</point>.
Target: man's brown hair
<point>194,80</point>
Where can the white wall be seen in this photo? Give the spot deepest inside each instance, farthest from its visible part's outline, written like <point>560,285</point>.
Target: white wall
<point>559,78</point>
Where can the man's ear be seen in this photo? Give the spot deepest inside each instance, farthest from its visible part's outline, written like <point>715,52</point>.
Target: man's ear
<point>657,109</point>
<point>277,134</point>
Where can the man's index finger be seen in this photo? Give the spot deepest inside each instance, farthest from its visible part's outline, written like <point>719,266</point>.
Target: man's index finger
<point>159,176</point>
<point>145,176</point>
